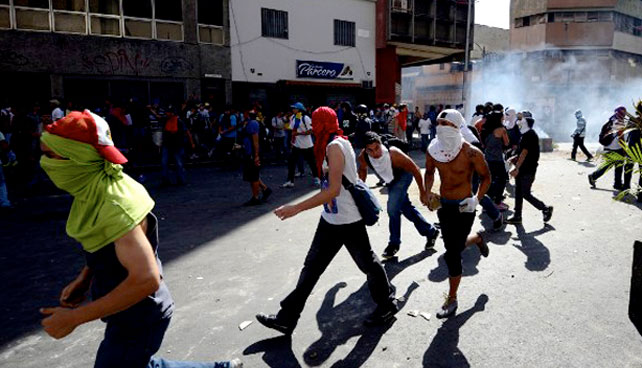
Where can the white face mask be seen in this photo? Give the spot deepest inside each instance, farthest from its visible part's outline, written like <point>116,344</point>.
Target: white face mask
<point>523,126</point>
<point>447,145</point>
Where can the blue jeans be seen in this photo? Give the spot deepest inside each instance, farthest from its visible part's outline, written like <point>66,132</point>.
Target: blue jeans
<point>128,347</point>
<point>177,155</point>
<point>4,196</point>
<point>398,204</point>
<point>486,203</point>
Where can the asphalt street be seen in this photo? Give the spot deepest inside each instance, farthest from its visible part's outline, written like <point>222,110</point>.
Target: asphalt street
<point>547,296</point>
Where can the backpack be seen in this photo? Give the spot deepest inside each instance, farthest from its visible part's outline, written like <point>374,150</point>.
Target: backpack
<point>390,140</point>
<point>606,136</point>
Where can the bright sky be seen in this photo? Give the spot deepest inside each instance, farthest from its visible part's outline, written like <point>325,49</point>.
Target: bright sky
<point>494,13</point>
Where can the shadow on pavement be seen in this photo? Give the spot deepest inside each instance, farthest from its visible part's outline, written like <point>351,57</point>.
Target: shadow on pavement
<point>340,323</point>
<point>469,259</point>
<point>38,259</point>
<point>277,352</point>
<point>538,256</point>
<point>443,350</point>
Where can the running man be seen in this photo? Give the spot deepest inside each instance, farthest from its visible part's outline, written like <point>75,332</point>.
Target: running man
<point>396,169</point>
<point>340,224</point>
<point>456,161</point>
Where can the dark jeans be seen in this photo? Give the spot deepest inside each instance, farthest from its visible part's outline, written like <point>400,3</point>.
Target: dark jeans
<point>308,155</point>
<point>425,140</point>
<point>628,175</point>
<point>455,227</point>
<point>177,154</point>
<point>398,204</point>
<point>499,177</point>
<point>486,203</point>
<point>523,184</point>
<point>619,169</point>
<point>327,242</point>
<point>579,142</point>
<point>129,347</point>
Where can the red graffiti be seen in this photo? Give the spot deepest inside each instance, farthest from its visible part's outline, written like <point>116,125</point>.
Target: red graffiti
<point>119,62</point>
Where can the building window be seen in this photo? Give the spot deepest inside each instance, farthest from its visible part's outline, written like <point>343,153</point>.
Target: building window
<point>274,23</point>
<point>32,14</point>
<point>344,33</point>
<point>69,16</point>
<point>527,21</point>
<point>592,17</point>
<point>210,22</point>
<point>519,22</point>
<point>104,17</point>
<point>137,17</point>
<point>169,19</point>
<point>5,14</point>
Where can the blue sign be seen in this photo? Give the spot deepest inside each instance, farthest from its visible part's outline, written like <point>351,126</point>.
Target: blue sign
<point>322,70</point>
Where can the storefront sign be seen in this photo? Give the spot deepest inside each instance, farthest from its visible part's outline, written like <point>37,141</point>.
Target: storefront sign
<point>323,70</point>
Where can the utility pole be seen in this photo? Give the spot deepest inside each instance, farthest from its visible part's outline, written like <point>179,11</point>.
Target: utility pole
<point>467,52</point>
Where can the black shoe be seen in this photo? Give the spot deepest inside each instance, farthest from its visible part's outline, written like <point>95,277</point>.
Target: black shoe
<point>548,213</point>
<point>618,186</point>
<point>390,251</point>
<point>382,315</point>
<point>498,222</point>
<point>252,202</point>
<point>589,159</point>
<point>266,194</point>
<point>514,220</point>
<point>591,181</point>
<point>271,321</point>
<point>483,247</point>
<point>380,183</point>
<point>431,240</point>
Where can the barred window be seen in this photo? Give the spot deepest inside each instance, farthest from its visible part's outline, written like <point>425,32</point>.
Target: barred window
<point>344,33</point>
<point>274,23</point>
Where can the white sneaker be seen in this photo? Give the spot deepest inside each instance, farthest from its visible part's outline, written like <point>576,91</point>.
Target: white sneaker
<point>317,182</point>
<point>299,175</point>
<point>288,184</point>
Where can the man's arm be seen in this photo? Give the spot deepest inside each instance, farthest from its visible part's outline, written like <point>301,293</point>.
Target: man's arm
<point>255,143</point>
<point>363,166</point>
<point>336,162</point>
<point>520,161</point>
<point>481,168</point>
<point>402,161</point>
<point>429,179</point>
<point>135,253</point>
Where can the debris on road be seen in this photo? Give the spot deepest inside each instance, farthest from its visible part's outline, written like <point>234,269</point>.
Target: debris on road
<point>244,325</point>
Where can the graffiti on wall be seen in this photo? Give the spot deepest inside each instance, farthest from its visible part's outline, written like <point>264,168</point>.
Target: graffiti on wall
<point>118,62</point>
<point>176,65</point>
<point>9,57</point>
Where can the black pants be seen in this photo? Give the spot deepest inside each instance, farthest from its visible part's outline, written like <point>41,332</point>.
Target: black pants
<point>499,177</point>
<point>619,169</point>
<point>579,142</point>
<point>628,175</point>
<point>308,155</point>
<point>327,242</point>
<point>523,184</point>
<point>455,227</point>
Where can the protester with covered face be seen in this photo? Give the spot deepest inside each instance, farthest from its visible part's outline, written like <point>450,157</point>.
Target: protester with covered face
<point>578,137</point>
<point>111,218</point>
<point>341,224</point>
<point>526,163</point>
<point>456,161</point>
<point>302,144</point>
<point>510,123</point>
<point>610,136</point>
<point>397,170</point>
<point>495,139</point>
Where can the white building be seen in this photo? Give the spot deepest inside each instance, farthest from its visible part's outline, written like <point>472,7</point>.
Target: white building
<point>316,52</point>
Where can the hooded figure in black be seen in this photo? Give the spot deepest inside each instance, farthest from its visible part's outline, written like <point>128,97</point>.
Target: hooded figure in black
<point>363,125</point>
<point>349,119</point>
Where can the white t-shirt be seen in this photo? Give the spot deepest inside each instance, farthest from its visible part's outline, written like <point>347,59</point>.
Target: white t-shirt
<point>57,114</point>
<point>344,206</point>
<point>303,141</point>
<point>279,125</point>
<point>424,126</point>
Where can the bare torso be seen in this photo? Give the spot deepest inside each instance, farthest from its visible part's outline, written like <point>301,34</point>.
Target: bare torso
<point>456,176</point>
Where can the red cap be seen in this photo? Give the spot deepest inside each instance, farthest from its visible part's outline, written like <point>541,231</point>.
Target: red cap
<point>89,128</point>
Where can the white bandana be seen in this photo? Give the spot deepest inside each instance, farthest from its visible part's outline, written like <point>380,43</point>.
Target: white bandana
<point>511,119</point>
<point>523,126</point>
<point>447,145</point>
<point>383,165</point>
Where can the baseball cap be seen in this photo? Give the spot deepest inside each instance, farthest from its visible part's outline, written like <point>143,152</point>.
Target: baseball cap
<point>298,106</point>
<point>452,116</point>
<point>87,127</point>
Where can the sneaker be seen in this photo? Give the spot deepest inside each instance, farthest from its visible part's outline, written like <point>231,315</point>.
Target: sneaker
<point>502,207</point>
<point>266,194</point>
<point>271,321</point>
<point>498,222</point>
<point>317,182</point>
<point>548,213</point>
<point>617,186</point>
<point>234,363</point>
<point>390,251</point>
<point>382,315</point>
<point>483,246</point>
<point>431,240</point>
<point>591,181</point>
<point>299,175</point>
<point>448,308</point>
<point>515,220</point>
<point>252,202</point>
<point>380,183</point>
<point>288,184</point>
<point>589,159</point>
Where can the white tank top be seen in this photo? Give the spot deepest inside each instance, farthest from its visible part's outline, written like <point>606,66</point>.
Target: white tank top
<point>344,210</point>
<point>383,165</point>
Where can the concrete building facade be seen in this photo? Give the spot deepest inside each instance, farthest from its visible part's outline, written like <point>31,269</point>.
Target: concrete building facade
<point>316,52</point>
<point>88,50</point>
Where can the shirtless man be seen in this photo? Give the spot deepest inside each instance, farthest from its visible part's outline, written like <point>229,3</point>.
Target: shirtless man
<point>456,161</point>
